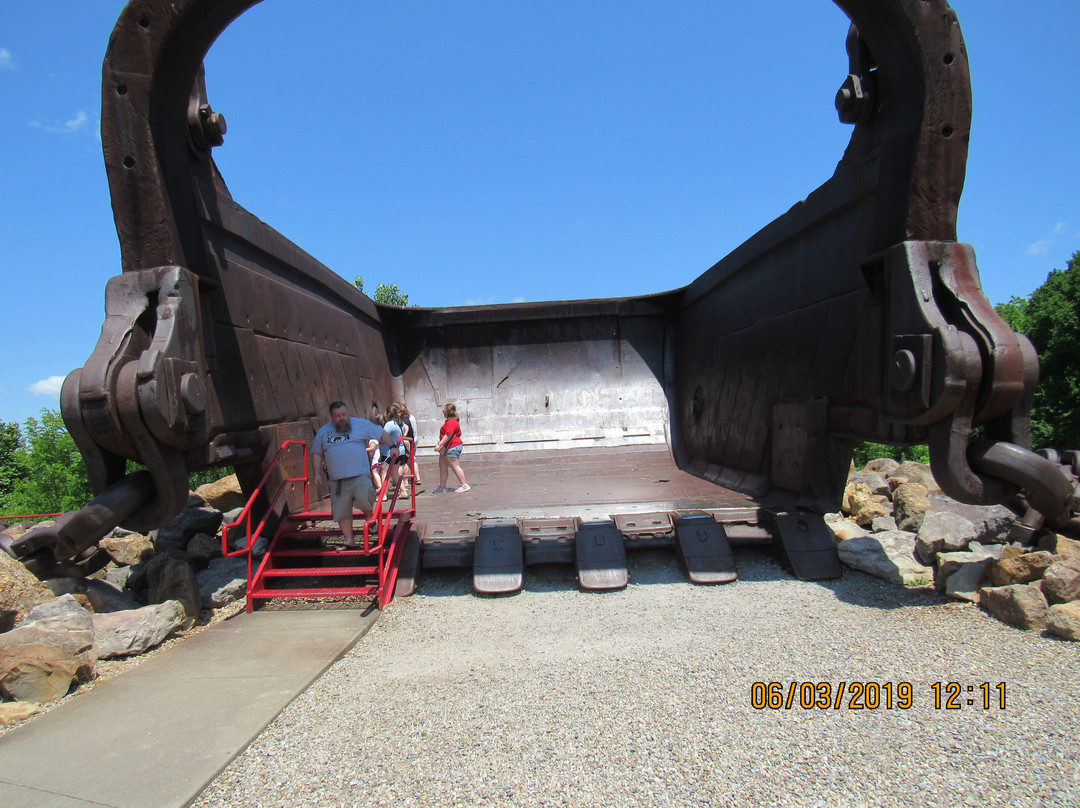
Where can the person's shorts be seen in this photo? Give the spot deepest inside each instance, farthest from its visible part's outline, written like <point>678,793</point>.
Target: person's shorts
<point>454,451</point>
<point>351,494</point>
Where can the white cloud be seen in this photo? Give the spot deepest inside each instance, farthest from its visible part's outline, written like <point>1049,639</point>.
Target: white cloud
<point>47,387</point>
<point>1040,247</point>
<point>7,62</point>
<point>1043,245</point>
<point>73,125</point>
<point>76,123</point>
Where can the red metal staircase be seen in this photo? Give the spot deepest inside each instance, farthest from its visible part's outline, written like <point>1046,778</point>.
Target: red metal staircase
<point>303,560</point>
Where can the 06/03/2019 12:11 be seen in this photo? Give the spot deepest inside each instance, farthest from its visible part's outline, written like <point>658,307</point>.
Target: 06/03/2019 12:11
<point>873,695</point>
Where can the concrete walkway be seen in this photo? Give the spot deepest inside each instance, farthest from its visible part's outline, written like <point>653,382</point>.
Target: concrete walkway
<point>157,735</point>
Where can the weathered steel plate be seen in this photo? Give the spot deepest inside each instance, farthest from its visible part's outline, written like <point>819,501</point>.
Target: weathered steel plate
<point>498,560</point>
<point>448,544</point>
<point>804,544</point>
<point>601,557</point>
<point>549,540</point>
<point>646,530</point>
<point>704,551</point>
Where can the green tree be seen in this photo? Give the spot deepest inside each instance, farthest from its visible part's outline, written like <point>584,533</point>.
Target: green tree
<point>386,293</point>
<point>865,451</point>
<point>1050,317</point>
<point>54,478</point>
<point>11,468</point>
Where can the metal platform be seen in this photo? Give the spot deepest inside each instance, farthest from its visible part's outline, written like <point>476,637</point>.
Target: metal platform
<point>588,508</point>
<point>590,484</point>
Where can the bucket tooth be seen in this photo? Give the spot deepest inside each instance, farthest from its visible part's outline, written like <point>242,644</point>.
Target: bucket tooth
<point>804,545</point>
<point>498,560</point>
<point>601,556</point>
<point>704,550</point>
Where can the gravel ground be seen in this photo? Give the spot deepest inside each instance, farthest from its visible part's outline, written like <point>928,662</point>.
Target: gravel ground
<point>555,697</point>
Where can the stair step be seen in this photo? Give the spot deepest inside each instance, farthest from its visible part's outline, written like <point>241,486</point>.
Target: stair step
<point>263,593</point>
<point>322,552</point>
<point>311,532</point>
<point>293,572</point>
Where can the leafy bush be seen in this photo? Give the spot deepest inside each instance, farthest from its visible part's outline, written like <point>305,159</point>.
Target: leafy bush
<point>866,451</point>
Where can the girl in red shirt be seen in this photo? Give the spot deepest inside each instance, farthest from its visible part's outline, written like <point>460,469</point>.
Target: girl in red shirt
<point>449,450</point>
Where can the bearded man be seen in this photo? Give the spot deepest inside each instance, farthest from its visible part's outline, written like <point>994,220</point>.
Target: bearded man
<point>340,448</point>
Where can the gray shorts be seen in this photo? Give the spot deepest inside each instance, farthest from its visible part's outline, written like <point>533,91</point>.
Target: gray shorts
<point>349,494</point>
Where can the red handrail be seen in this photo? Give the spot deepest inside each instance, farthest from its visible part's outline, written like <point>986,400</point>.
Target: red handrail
<point>31,516</point>
<point>379,517</point>
<point>382,518</point>
<point>245,514</point>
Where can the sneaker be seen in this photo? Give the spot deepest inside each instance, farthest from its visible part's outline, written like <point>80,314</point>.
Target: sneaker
<point>462,489</point>
<point>441,490</point>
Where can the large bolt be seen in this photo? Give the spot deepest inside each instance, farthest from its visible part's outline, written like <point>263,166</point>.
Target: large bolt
<point>213,125</point>
<point>854,101</point>
<point>903,370</point>
<point>207,127</point>
<point>193,393</point>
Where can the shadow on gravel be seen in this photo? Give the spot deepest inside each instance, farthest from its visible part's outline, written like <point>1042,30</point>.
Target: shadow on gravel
<point>657,567</point>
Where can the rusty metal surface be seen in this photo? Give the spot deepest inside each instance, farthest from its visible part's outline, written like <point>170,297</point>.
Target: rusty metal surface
<point>854,315</point>
<point>572,485</point>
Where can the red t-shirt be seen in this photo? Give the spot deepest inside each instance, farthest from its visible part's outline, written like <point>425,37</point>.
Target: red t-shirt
<point>453,429</point>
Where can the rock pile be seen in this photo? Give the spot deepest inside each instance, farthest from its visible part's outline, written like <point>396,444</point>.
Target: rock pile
<point>52,633</point>
<point>898,525</point>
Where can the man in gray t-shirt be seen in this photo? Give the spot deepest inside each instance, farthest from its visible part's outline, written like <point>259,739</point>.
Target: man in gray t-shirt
<point>340,448</point>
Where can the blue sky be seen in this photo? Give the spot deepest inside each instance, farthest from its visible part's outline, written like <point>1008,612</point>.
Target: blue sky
<point>490,152</point>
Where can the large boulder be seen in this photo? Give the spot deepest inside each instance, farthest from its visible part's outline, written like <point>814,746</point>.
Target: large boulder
<point>238,535</point>
<point>204,547</point>
<point>106,596</point>
<point>885,466</point>
<point>883,524</point>
<point>1061,546</point>
<point>845,529</point>
<point>888,555</point>
<point>51,648</point>
<point>864,505</point>
<point>12,712</point>
<point>942,532</point>
<point>1020,605</point>
<point>137,630</point>
<point>961,575</point>
<point>875,483</point>
<point>1063,619</point>
<point>223,582</point>
<point>911,502</point>
<point>1020,569</point>
<point>992,522</point>
<point>1061,582</point>
<point>20,590</point>
<point>128,548</point>
<point>223,494</point>
<point>911,472</point>
<point>170,577</point>
<point>37,672</point>
<point>197,517</point>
